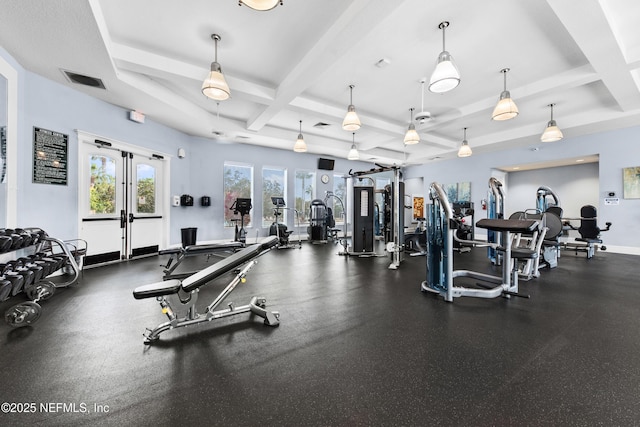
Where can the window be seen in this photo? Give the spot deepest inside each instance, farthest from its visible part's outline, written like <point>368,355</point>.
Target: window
<point>340,191</point>
<point>146,189</point>
<point>102,190</point>
<point>274,183</point>
<point>304,193</point>
<point>238,182</point>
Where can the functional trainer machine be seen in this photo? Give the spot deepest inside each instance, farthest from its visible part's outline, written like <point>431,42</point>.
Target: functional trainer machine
<point>363,232</point>
<point>495,210</point>
<point>441,229</point>
<point>185,292</point>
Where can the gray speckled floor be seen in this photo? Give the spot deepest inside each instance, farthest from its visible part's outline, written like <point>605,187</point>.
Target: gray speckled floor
<point>358,344</point>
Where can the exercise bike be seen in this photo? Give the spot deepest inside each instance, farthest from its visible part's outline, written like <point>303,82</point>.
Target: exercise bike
<point>240,206</point>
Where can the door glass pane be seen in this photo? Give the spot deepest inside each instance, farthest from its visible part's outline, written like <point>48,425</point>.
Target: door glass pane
<point>102,190</point>
<point>146,189</point>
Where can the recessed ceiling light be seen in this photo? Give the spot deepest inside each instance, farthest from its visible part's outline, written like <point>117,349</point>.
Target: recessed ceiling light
<point>516,168</point>
<point>579,160</point>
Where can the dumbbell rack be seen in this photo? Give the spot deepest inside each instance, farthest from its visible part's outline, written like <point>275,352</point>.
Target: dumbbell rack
<point>29,259</point>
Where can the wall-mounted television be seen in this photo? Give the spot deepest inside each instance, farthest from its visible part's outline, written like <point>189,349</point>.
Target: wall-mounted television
<point>325,164</point>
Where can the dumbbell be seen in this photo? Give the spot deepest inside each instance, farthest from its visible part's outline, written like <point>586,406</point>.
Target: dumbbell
<point>5,243</point>
<point>28,276</point>
<point>25,263</point>
<point>26,237</point>
<point>5,289</point>
<point>16,280</point>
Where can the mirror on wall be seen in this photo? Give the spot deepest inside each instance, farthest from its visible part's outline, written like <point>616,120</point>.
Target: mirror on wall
<point>3,151</point>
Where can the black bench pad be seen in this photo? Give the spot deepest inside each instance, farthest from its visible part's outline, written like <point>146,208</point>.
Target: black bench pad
<point>228,264</point>
<point>157,289</point>
<point>202,249</point>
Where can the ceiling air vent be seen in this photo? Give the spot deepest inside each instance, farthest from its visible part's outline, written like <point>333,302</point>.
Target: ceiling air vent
<point>83,80</point>
<point>321,125</point>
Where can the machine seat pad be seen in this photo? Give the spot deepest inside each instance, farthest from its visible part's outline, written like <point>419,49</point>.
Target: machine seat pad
<point>512,225</point>
<point>157,289</point>
<point>230,263</point>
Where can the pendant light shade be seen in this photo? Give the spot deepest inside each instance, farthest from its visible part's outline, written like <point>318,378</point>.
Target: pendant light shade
<point>215,86</point>
<point>353,153</point>
<point>505,109</point>
<point>300,146</point>
<point>446,75</point>
<point>260,5</point>
<point>552,132</point>
<point>351,121</point>
<point>465,150</point>
<point>411,137</point>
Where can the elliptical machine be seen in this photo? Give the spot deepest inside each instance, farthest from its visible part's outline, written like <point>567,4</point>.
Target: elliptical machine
<point>241,206</point>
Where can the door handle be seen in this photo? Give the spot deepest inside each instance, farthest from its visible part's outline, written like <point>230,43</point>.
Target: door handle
<point>123,219</point>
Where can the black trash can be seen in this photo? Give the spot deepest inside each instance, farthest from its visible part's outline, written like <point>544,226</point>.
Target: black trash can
<point>189,236</point>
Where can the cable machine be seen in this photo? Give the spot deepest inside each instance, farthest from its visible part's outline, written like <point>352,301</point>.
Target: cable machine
<point>363,229</point>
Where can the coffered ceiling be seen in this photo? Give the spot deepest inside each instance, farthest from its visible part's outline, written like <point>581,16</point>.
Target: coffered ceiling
<point>296,62</point>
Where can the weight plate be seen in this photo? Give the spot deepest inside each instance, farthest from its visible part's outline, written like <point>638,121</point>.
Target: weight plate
<point>40,291</point>
<point>23,314</point>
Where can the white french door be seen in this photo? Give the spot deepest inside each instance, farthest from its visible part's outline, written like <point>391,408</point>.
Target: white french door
<point>121,200</point>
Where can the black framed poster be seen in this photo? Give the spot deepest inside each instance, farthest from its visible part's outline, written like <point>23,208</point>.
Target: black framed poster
<point>50,154</point>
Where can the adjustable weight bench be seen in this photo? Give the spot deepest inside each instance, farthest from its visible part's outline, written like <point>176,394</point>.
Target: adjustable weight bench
<point>181,253</point>
<point>185,292</point>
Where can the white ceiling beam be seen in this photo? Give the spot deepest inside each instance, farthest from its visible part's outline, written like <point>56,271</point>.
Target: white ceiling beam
<point>358,20</point>
<point>592,33</point>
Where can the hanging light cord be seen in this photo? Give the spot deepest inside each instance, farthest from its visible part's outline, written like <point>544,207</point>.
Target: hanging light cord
<point>300,127</point>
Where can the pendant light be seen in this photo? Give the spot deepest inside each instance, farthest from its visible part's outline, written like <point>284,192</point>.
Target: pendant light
<point>505,109</point>
<point>411,137</point>
<point>351,121</point>
<point>353,153</point>
<point>465,150</point>
<point>552,132</point>
<point>446,75</point>
<point>300,146</point>
<point>215,86</point>
<point>260,5</point>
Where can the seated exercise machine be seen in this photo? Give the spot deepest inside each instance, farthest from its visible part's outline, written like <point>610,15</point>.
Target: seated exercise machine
<point>279,229</point>
<point>589,232</point>
<point>241,206</point>
<point>533,240</point>
<point>35,264</point>
<point>416,240</point>
<point>185,292</point>
<point>440,236</point>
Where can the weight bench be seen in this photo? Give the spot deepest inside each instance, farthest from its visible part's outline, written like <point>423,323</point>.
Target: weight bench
<point>181,253</point>
<point>185,292</point>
